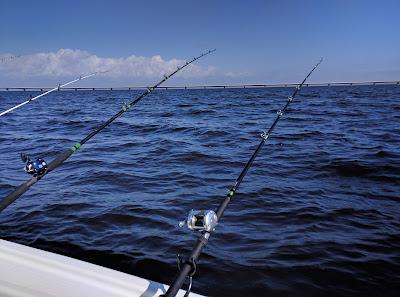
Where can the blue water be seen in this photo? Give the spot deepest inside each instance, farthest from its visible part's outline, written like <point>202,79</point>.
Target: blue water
<point>317,215</point>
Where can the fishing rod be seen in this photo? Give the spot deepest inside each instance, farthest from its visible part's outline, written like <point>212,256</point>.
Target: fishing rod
<point>45,169</point>
<point>50,91</point>
<point>205,221</point>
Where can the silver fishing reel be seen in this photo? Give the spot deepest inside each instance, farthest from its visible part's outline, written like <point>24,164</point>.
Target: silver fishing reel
<point>201,220</point>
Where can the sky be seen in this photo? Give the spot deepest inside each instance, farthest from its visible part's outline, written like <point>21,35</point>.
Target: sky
<point>256,41</point>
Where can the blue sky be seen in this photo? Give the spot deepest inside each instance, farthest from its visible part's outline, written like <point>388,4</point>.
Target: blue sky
<point>256,41</point>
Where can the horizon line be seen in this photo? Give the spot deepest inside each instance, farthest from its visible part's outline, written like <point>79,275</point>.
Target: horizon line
<point>211,86</point>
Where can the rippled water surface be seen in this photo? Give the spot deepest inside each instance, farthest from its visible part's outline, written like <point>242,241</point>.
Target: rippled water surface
<point>317,215</point>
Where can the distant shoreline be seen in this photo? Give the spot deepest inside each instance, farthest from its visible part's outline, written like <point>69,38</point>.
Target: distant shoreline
<point>237,86</point>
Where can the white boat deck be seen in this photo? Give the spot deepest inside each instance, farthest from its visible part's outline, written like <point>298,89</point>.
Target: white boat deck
<point>30,272</point>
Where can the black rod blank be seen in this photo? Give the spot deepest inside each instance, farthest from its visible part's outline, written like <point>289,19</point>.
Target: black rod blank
<point>21,189</point>
<point>202,240</point>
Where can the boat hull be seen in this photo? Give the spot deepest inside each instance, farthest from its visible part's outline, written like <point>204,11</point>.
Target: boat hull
<point>26,271</point>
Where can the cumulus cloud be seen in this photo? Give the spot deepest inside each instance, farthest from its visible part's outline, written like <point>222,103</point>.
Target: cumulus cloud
<point>75,62</point>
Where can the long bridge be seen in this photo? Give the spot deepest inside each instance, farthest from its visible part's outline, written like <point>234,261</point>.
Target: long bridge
<point>243,86</point>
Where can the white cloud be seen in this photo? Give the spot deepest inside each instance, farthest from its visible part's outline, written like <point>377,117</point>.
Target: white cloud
<point>75,62</point>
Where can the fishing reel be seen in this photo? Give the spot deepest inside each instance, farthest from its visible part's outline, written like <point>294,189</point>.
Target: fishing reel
<point>35,168</point>
<point>201,220</point>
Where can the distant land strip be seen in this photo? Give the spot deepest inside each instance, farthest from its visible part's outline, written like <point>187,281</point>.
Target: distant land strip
<point>238,86</point>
